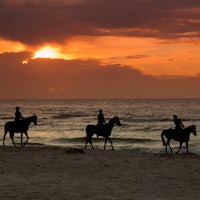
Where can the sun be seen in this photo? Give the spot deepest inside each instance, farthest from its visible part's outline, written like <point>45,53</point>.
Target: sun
<point>45,52</point>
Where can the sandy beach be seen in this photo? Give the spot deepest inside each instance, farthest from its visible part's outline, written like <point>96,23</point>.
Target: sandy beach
<point>41,172</point>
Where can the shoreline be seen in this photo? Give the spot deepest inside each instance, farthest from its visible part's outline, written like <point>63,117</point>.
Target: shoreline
<point>49,172</point>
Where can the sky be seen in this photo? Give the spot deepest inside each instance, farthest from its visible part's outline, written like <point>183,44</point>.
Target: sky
<point>69,49</point>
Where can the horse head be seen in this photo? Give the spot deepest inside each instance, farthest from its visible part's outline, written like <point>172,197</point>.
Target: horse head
<point>116,121</point>
<point>34,119</point>
<point>193,129</point>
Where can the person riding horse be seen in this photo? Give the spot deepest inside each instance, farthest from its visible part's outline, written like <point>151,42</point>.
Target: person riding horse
<point>18,118</point>
<point>104,132</point>
<point>18,115</point>
<point>179,126</point>
<point>101,122</point>
<point>101,119</point>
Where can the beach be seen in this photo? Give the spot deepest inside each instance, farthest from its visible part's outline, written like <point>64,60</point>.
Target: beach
<point>47,172</point>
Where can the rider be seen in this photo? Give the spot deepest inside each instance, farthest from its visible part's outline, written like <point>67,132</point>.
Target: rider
<point>18,115</point>
<point>101,119</point>
<point>178,124</point>
<point>100,123</point>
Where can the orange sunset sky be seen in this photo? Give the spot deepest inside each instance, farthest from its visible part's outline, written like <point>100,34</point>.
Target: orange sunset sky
<point>99,49</point>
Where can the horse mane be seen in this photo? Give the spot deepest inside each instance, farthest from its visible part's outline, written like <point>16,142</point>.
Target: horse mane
<point>192,126</point>
<point>30,117</point>
<point>26,119</point>
<point>112,119</point>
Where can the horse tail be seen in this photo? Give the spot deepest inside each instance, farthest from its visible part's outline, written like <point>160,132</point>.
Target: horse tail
<point>163,139</point>
<point>5,132</point>
<point>6,128</point>
<point>89,131</point>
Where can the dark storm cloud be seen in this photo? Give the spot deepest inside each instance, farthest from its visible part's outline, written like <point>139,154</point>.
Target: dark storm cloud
<point>36,21</point>
<point>46,78</point>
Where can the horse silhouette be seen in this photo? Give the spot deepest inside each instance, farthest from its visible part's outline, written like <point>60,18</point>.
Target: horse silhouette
<point>182,137</point>
<point>104,130</point>
<point>19,127</point>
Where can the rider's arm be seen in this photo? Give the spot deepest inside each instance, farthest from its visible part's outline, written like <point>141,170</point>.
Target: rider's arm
<point>182,124</point>
<point>21,116</point>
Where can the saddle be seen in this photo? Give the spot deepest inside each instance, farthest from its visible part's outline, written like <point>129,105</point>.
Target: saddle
<point>100,129</point>
<point>178,133</point>
<point>18,125</point>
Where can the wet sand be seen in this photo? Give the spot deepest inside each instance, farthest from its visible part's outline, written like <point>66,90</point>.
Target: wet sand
<point>41,172</point>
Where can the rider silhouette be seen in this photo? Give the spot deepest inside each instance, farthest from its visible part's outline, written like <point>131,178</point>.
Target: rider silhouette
<point>18,115</point>
<point>178,124</point>
<point>100,123</point>
<point>101,119</point>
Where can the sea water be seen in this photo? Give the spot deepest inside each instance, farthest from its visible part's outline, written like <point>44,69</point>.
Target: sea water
<point>63,122</point>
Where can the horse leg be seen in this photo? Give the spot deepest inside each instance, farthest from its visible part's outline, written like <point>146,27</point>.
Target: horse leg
<point>12,138</point>
<point>187,146</point>
<point>91,145</point>
<point>165,143</point>
<point>86,142</point>
<point>26,138</point>
<point>4,137</point>
<point>166,148</point>
<point>168,144</point>
<point>21,139</point>
<point>90,141</point>
<point>170,148</point>
<point>108,139</point>
<point>105,143</point>
<point>180,146</point>
<point>111,143</point>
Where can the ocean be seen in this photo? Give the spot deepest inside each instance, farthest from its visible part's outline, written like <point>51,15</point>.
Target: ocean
<point>62,122</point>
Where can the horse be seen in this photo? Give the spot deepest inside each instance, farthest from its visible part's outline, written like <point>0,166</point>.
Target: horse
<point>182,137</point>
<point>19,127</point>
<point>104,130</point>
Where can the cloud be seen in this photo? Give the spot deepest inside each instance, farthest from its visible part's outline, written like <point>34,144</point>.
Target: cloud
<point>46,78</point>
<point>55,90</point>
<point>38,21</point>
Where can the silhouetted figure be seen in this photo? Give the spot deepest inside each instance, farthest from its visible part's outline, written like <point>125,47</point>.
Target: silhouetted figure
<point>105,131</point>
<point>22,128</point>
<point>101,119</point>
<point>101,122</point>
<point>178,124</point>
<point>18,115</point>
<point>183,137</point>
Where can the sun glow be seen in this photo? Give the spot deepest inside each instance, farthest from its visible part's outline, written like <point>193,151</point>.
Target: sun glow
<point>46,52</point>
<point>24,62</point>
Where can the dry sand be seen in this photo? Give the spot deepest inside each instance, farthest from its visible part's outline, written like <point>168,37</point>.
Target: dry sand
<point>61,173</point>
